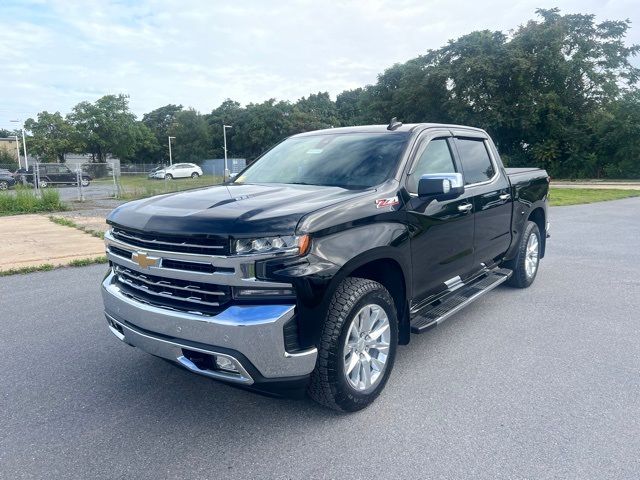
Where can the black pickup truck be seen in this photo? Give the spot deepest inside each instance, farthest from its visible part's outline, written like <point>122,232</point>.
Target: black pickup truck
<point>306,271</point>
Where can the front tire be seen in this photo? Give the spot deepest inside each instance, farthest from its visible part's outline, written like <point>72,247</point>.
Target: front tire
<point>168,176</point>
<point>357,346</point>
<point>525,265</point>
<point>4,185</point>
<point>85,182</point>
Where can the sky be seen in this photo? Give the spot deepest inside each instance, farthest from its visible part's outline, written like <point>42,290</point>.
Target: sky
<point>57,53</point>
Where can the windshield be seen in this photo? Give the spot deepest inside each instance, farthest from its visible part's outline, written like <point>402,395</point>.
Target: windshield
<point>352,160</point>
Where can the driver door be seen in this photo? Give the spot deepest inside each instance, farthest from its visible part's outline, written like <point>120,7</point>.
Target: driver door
<point>441,231</point>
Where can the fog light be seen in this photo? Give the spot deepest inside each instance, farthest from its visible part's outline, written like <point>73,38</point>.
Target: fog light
<point>224,363</point>
<point>263,292</point>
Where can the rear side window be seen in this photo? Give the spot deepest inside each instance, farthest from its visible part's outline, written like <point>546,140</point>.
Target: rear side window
<point>435,158</point>
<point>476,162</point>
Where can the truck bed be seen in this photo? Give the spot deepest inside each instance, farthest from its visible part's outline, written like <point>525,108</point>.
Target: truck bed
<point>527,172</point>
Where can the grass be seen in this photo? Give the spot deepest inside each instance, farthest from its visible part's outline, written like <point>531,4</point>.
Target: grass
<point>45,267</point>
<point>83,262</point>
<point>574,196</point>
<point>133,187</point>
<point>26,200</point>
<point>70,223</point>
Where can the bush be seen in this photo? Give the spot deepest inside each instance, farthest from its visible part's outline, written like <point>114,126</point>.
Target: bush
<point>25,200</point>
<point>8,160</point>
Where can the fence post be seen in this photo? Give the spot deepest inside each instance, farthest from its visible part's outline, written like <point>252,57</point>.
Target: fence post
<point>78,181</point>
<point>36,177</point>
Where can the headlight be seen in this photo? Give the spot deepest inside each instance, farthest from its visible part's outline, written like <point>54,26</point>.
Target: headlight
<point>297,244</point>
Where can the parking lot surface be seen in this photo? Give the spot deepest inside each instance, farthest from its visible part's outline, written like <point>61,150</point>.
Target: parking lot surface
<point>537,383</point>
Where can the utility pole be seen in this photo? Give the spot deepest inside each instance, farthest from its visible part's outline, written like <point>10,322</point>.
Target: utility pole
<point>225,175</point>
<point>24,146</point>
<point>170,159</point>
<point>18,151</point>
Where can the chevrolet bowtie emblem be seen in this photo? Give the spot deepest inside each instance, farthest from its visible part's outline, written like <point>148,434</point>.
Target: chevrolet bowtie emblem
<point>144,260</point>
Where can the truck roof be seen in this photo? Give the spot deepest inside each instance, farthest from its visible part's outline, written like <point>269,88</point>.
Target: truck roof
<point>408,127</point>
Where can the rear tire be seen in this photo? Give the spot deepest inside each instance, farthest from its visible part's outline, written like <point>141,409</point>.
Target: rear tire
<point>4,185</point>
<point>360,332</point>
<point>85,182</point>
<point>195,175</point>
<point>525,265</point>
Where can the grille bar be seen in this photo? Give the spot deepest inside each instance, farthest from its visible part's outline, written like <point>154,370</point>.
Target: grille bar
<point>163,283</point>
<point>172,293</point>
<point>206,246</point>
<point>165,294</point>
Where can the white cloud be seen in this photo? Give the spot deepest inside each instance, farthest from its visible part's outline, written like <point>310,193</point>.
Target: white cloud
<point>200,52</point>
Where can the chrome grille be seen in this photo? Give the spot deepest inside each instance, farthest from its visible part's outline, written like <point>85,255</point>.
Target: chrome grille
<point>172,293</point>
<point>203,245</point>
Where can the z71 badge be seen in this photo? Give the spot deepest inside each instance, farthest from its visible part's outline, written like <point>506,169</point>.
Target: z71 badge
<point>387,202</point>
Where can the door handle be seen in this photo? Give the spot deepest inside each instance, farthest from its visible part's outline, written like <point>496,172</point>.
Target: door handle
<point>465,208</point>
<point>505,196</point>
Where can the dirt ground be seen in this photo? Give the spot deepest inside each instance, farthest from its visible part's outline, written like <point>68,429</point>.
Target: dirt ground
<point>32,240</point>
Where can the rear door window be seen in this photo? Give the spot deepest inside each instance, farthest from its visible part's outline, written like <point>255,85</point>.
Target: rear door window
<point>476,162</point>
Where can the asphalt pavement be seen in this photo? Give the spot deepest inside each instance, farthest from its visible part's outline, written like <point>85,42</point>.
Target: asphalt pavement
<point>537,383</point>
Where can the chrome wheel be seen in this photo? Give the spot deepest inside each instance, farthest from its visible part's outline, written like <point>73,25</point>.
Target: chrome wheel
<point>532,254</point>
<point>366,348</point>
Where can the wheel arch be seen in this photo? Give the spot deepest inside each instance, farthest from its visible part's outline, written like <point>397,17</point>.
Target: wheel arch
<point>385,266</point>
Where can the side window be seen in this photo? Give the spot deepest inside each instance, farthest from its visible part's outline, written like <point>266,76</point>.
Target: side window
<point>435,158</point>
<point>476,162</point>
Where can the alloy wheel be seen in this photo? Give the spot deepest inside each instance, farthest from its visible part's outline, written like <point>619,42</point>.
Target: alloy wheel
<point>366,347</point>
<point>531,255</point>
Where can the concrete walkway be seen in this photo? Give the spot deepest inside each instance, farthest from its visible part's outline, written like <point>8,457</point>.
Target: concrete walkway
<point>32,240</point>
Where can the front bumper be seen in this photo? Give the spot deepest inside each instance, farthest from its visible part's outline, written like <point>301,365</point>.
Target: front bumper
<point>251,336</point>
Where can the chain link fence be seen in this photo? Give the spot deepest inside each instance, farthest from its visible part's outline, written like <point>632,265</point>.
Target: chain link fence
<point>112,180</point>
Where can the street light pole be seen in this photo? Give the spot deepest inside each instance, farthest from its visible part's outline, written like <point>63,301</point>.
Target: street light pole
<point>170,159</point>
<point>225,175</point>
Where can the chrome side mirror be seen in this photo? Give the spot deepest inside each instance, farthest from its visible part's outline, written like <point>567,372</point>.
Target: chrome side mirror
<point>441,186</point>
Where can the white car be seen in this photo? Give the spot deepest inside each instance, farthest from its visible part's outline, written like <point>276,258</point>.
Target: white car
<point>179,170</point>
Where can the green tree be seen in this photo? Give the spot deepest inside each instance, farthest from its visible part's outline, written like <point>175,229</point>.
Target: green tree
<point>107,127</point>
<point>8,160</point>
<point>617,151</point>
<point>51,136</point>
<point>4,133</point>
<point>260,126</point>
<point>159,122</point>
<point>539,91</point>
<point>315,112</point>
<point>228,113</point>
<point>192,137</point>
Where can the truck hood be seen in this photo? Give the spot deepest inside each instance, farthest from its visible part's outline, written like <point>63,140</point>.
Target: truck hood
<point>257,209</point>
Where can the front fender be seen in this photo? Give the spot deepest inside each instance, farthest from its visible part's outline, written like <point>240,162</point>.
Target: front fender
<point>332,258</point>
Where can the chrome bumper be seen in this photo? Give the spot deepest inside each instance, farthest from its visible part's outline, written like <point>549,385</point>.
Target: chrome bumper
<point>255,331</point>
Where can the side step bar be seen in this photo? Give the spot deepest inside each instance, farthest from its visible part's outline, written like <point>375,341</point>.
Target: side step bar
<point>438,311</point>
